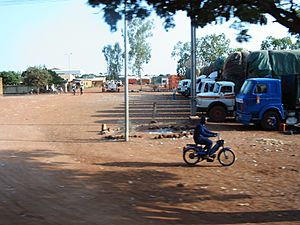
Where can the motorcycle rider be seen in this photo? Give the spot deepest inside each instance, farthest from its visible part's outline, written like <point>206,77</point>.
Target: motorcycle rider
<point>202,134</point>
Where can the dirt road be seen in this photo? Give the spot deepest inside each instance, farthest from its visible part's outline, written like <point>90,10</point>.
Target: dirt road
<point>55,167</point>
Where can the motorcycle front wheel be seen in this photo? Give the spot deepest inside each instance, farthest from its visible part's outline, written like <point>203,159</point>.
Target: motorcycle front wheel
<point>226,157</point>
<point>190,156</point>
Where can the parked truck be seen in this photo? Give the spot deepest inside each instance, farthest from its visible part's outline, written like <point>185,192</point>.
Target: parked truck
<point>268,102</point>
<point>218,103</point>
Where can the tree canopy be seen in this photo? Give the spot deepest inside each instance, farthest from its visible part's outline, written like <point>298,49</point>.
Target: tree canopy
<point>36,76</point>
<point>285,43</point>
<point>208,50</point>
<point>140,49</point>
<point>10,77</point>
<point>203,12</point>
<point>55,78</point>
<point>114,60</point>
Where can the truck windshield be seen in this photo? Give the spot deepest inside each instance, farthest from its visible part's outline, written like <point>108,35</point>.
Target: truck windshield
<point>247,87</point>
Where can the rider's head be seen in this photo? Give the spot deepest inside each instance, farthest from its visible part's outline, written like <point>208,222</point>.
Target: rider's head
<point>202,120</point>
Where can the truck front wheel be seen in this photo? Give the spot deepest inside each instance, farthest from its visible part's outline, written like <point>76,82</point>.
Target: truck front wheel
<point>217,114</point>
<point>270,121</point>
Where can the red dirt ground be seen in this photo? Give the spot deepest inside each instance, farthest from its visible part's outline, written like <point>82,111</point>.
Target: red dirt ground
<point>55,167</point>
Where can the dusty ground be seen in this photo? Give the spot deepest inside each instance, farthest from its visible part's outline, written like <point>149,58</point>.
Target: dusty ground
<point>55,167</point>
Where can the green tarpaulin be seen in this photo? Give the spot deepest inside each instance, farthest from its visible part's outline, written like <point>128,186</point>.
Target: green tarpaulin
<point>273,63</point>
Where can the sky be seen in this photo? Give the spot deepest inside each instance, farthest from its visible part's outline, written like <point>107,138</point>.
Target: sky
<point>70,33</point>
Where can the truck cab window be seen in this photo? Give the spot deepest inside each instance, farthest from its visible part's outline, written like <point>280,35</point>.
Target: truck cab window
<point>226,89</point>
<point>211,87</point>
<point>206,87</point>
<point>260,89</point>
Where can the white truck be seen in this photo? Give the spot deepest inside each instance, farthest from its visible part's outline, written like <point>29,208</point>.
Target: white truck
<point>203,84</point>
<point>183,87</point>
<point>111,86</point>
<point>219,103</point>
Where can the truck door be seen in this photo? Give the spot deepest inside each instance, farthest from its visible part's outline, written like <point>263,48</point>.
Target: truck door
<point>227,94</point>
<point>261,96</point>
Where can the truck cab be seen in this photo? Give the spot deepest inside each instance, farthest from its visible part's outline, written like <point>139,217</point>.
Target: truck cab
<point>259,102</point>
<point>205,85</point>
<point>219,103</point>
<point>184,87</point>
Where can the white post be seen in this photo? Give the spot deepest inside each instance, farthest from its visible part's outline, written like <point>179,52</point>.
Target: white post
<point>126,77</point>
<point>69,69</point>
<point>193,68</point>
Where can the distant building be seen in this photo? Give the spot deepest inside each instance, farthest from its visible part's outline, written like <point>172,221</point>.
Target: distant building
<point>67,75</point>
<point>89,81</point>
<point>76,73</point>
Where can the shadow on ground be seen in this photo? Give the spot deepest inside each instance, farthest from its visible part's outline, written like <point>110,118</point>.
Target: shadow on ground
<point>48,193</point>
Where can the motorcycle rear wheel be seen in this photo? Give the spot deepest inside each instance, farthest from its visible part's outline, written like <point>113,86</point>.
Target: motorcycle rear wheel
<point>191,157</point>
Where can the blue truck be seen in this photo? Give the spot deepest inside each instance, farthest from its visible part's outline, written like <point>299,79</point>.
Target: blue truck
<point>269,102</point>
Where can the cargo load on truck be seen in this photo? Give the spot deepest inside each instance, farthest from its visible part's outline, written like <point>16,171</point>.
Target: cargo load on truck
<point>265,63</point>
<point>275,63</point>
<point>234,69</point>
<point>290,85</point>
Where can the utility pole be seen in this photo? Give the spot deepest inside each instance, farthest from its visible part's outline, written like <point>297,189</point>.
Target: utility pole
<point>126,76</point>
<point>69,69</point>
<point>193,68</point>
<point>69,62</point>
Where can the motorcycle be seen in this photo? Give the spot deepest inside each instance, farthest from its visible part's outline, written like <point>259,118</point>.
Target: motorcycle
<point>193,153</point>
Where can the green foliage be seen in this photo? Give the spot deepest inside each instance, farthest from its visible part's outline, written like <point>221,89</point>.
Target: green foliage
<point>285,43</point>
<point>36,76</point>
<point>182,51</point>
<point>11,77</point>
<point>208,50</point>
<point>211,47</point>
<point>55,79</point>
<point>203,12</point>
<point>114,60</point>
<point>140,50</point>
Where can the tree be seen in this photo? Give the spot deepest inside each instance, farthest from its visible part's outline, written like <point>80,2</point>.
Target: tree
<point>285,43</point>
<point>211,47</point>
<point>114,60</point>
<point>55,79</point>
<point>208,50</point>
<point>182,51</point>
<point>36,76</point>
<point>203,12</point>
<point>10,77</point>
<point>140,50</point>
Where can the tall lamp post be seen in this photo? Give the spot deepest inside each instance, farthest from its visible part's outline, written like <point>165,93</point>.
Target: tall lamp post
<point>126,76</point>
<point>193,68</point>
<point>69,62</point>
<point>69,69</point>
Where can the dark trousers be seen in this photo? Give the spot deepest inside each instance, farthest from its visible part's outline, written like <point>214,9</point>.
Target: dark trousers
<point>204,141</point>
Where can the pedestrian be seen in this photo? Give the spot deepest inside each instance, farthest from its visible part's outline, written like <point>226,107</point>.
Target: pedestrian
<point>74,89</point>
<point>174,93</point>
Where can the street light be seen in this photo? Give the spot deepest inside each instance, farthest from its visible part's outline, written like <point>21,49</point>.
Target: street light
<point>193,66</point>
<point>69,70</point>
<point>126,76</point>
<point>69,61</point>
